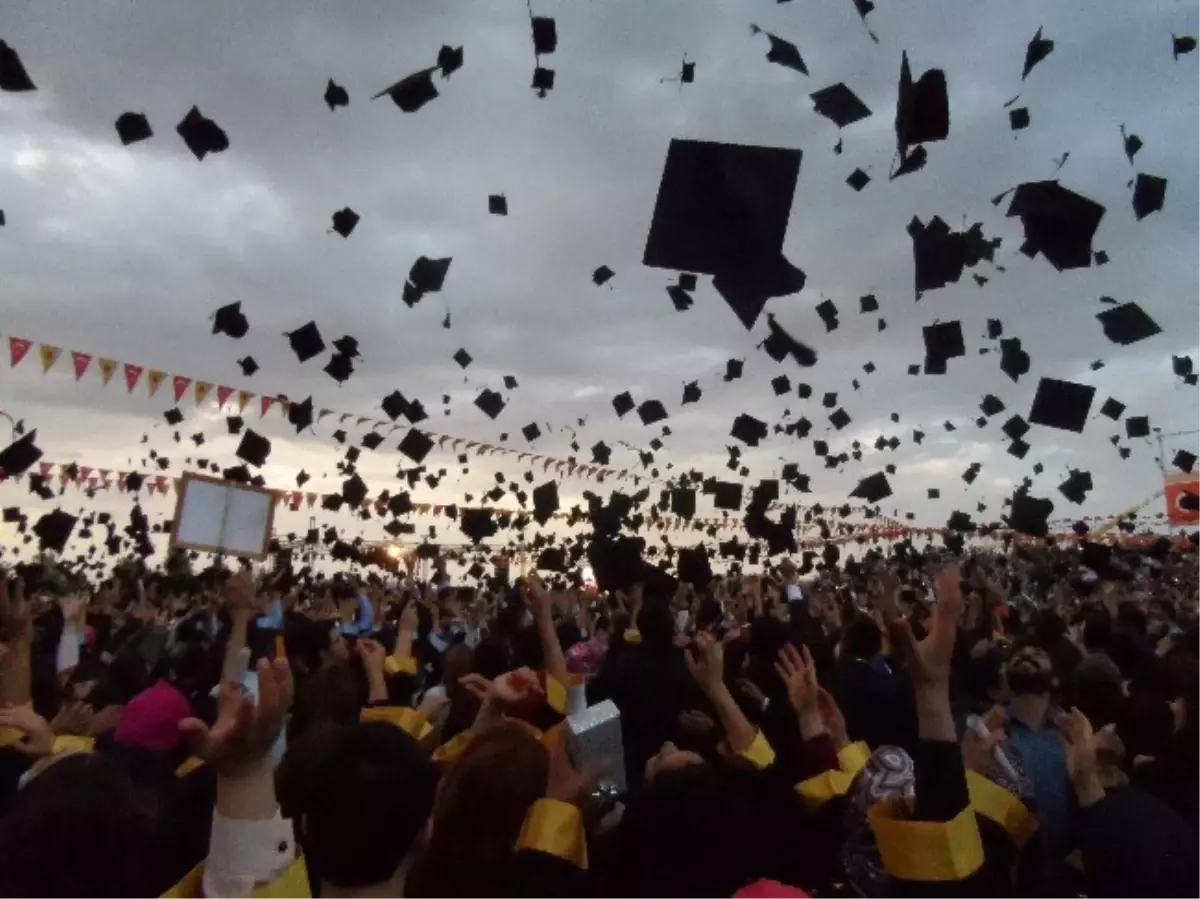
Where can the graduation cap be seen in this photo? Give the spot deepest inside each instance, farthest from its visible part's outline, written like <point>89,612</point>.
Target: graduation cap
<point>748,429</point>
<point>782,52</point>
<point>829,314</point>
<point>531,431</point>
<point>510,383</point>
<point>300,415</point>
<point>1029,514</point>
<point>53,529</point>
<point>254,448</point>
<point>19,456</point>
<point>1061,404</point>
<point>1058,223</point>
<point>840,105</point>
<point>868,303</point>
<point>335,95</point>
<point>497,204</point>
<point>545,35</point>
<point>1018,119</point>
<point>1113,409</point>
<point>306,341</point>
<point>1137,426</point>
<point>413,91</point>
<point>490,402</point>
<point>230,320</point>
<point>234,423</point>
<point>922,115</point>
<point>477,524</point>
<point>727,495</point>
<point>943,341</point>
<point>623,403</point>
<point>344,221</point>
<point>1075,488</point>
<point>426,276</point>
<point>1132,144</point>
<point>202,135</point>
<point>1015,428</point>
<point>691,393</point>
<point>1037,50</point>
<point>449,60</point>
<point>132,127</point>
<point>463,358</point>
<point>545,501</point>
<point>781,385</point>
<point>1149,192</point>
<point>680,298</point>
<point>1014,361</point>
<point>1184,461</point>
<point>354,491</point>
<point>1181,45</point>
<point>651,412</point>
<point>873,489</point>
<point>416,445</point>
<point>248,366</point>
<point>602,275</point>
<point>394,405</point>
<point>1127,323</point>
<point>858,179</point>
<point>13,76</point>
<point>991,405</point>
<point>722,209</point>
<point>543,80</point>
<point>933,493</point>
<point>601,453</point>
<point>339,367</point>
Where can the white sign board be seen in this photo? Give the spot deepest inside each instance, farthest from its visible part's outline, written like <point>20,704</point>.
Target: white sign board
<point>222,517</point>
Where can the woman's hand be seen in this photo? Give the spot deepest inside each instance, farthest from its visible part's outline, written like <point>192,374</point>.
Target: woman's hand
<point>706,662</point>
<point>39,738</point>
<point>799,675</point>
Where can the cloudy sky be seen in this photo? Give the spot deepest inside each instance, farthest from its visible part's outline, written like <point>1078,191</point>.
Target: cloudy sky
<point>126,251</point>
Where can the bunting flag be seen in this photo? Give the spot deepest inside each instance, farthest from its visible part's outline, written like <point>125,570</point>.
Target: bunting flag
<point>18,347</point>
<point>321,414</point>
<point>223,395</point>
<point>202,390</point>
<point>49,355</point>
<point>244,398</point>
<point>266,401</point>
<point>180,385</point>
<point>81,362</point>
<point>84,472</point>
<point>154,379</point>
<point>132,374</point>
<point>45,468</point>
<point>311,499</point>
<point>108,368</point>
<point>284,406</point>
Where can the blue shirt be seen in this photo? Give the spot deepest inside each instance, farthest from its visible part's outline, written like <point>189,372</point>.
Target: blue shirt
<point>1041,756</point>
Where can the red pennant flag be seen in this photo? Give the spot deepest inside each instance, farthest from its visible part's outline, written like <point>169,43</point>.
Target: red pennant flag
<point>267,402</point>
<point>46,468</point>
<point>180,384</point>
<point>81,361</point>
<point>223,395</point>
<point>84,472</point>
<point>18,347</point>
<point>133,374</point>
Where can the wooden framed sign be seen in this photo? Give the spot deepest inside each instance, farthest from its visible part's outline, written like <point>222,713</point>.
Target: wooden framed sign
<point>220,516</point>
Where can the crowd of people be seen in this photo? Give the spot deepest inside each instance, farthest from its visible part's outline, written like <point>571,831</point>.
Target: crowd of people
<point>913,722</point>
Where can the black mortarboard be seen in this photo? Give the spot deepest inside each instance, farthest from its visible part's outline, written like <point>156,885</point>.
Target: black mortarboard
<point>543,80</point>
<point>873,488</point>
<point>1132,143</point>
<point>995,328</point>
<point>780,344</point>
<point>335,95</point>
<point>691,393</point>
<point>1015,428</point>
<point>1018,119</point>
<point>680,298</point>
<point>829,400</point>
<point>1014,361</point>
<point>53,529</point>
<point>426,276</point>
<point>820,447</point>
<point>1058,223</point>
<point>394,405</point>
<point>300,415</point>
<point>991,405</point>
<point>858,179</point>
<point>416,445</point>
<point>173,416</point>
<point>13,76</point>
<point>412,92</point>
<point>839,419</point>
<point>868,303</point>
<point>545,35</point>
<point>687,281</point>
<point>545,501</point>
<point>1112,408</point>
<point>722,209</point>
<point>552,558</point>
<point>372,440</point>
<point>1149,192</point>
<point>491,402</point>
<point>727,495</point>
<point>687,73</point>
<point>306,341</point>
<point>531,431</point>
<point>510,383</point>
<point>1061,404</point>
<point>1075,488</point>
<point>497,204</point>
<point>331,502</point>
<point>602,275</point>
<point>683,503</point>
<point>601,453</point>
<point>202,136</point>
<point>354,491</point>
<point>804,391</point>
<point>463,358</point>
<point>230,320</point>
<point>782,52</point>
<point>781,385</point>
<point>339,367</point>
<point>1137,426</point>
<point>933,493</point>
<point>1028,514</point>
<point>19,455</point>
<point>1037,50</point>
<point>1184,461</point>
<point>829,314</point>
<point>254,448</point>
<point>132,127</point>
<point>477,523</point>
<point>942,342</point>
<point>623,403</point>
<point>1181,45</point>
<point>234,423</point>
<point>840,105</point>
<point>651,412</point>
<point>1127,323</point>
<point>922,114</point>
<point>449,60</point>
<point>748,429</point>
<point>733,370</point>
<point>248,366</point>
<point>344,221</point>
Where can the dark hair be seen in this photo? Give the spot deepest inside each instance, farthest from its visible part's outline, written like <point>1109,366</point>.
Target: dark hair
<point>371,795</point>
<point>861,638</point>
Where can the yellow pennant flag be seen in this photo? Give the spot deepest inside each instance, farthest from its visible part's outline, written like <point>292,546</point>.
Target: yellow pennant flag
<point>202,390</point>
<point>244,397</point>
<point>108,368</point>
<point>154,380</point>
<point>49,355</point>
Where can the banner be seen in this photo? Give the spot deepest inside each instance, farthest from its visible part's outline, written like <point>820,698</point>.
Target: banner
<point>202,389</point>
<point>1181,492</point>
<point>81,361</point>
<point>154,380</point>
<point>17,348</point>
<point>244,397</point>
<point>49,355</point>
<point>223,395</point>
<point>108,368</point>
<point>181,384</point>
<point>133,373</point>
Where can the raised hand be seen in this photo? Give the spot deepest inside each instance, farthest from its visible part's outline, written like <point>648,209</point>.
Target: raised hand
<point>929,660</point>
<point>39,738</point>
<point>706,662</point>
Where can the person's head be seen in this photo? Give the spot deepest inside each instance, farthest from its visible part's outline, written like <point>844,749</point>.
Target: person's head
<point>1097,630</point>
<point>1029,670</point>
<point>83,829</point>
<point>861,638</point>
<point>370,799</point>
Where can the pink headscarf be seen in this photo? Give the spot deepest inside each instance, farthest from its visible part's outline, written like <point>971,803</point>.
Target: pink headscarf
<point>769,889</point>
<point>151,719</point>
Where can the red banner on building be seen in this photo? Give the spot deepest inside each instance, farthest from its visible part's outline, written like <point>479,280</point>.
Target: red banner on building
<point>1181,492</point>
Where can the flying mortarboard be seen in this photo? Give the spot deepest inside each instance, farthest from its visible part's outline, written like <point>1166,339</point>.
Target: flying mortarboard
<point>234,423</point>
<point>19,456</point>
<point>691,393</point>
<point>782,52</point>
<point>449,60</point>
<point>991,405</point>
<point>545,501</point>
<point>416,445</point>
<point>858,179</point>
<point>413,91</point>
<point>202,135</point>
<point>601,453</point>
<point>1061,404</point>
<point>1037,49</point>
<point>1029,514</point>
<point>335,95</point>
<point>132,127</point>
<point>780,344</point>
<point>53,529</point>
<point>543,80</point>
<point>1018,119</point>
<point>623,403</point>
<point>1149,193</point>
<point>651,412</point>
<point>545,35</point>
<point>602,275</point>
<point>531,431</point>
<point>1075,488</point>
<point>840,105</point>
<point>1127,323</point>
<point>339,367</point>
<point>727,495</point>
<point>748,429</point>
<point>490,402</point>
<point>173,416</point>
<point>1137,426</point>
<point>1058,223</point>
<point>344,221</point>
<point>230,320</point>
<point>463,358</point>
<point>1181,45</point>
<point>13,76</point>
<point>300,415</point>
<point>873,489</point>
<point>497,204</point>
<point>781,385</point>
<point>922,114</point>
<point>254,449</point>
<point>354,491</point>
<point>1014,361</point>
<point>306,341</point>
<point>248,366</point>
<point>1184,461</point>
